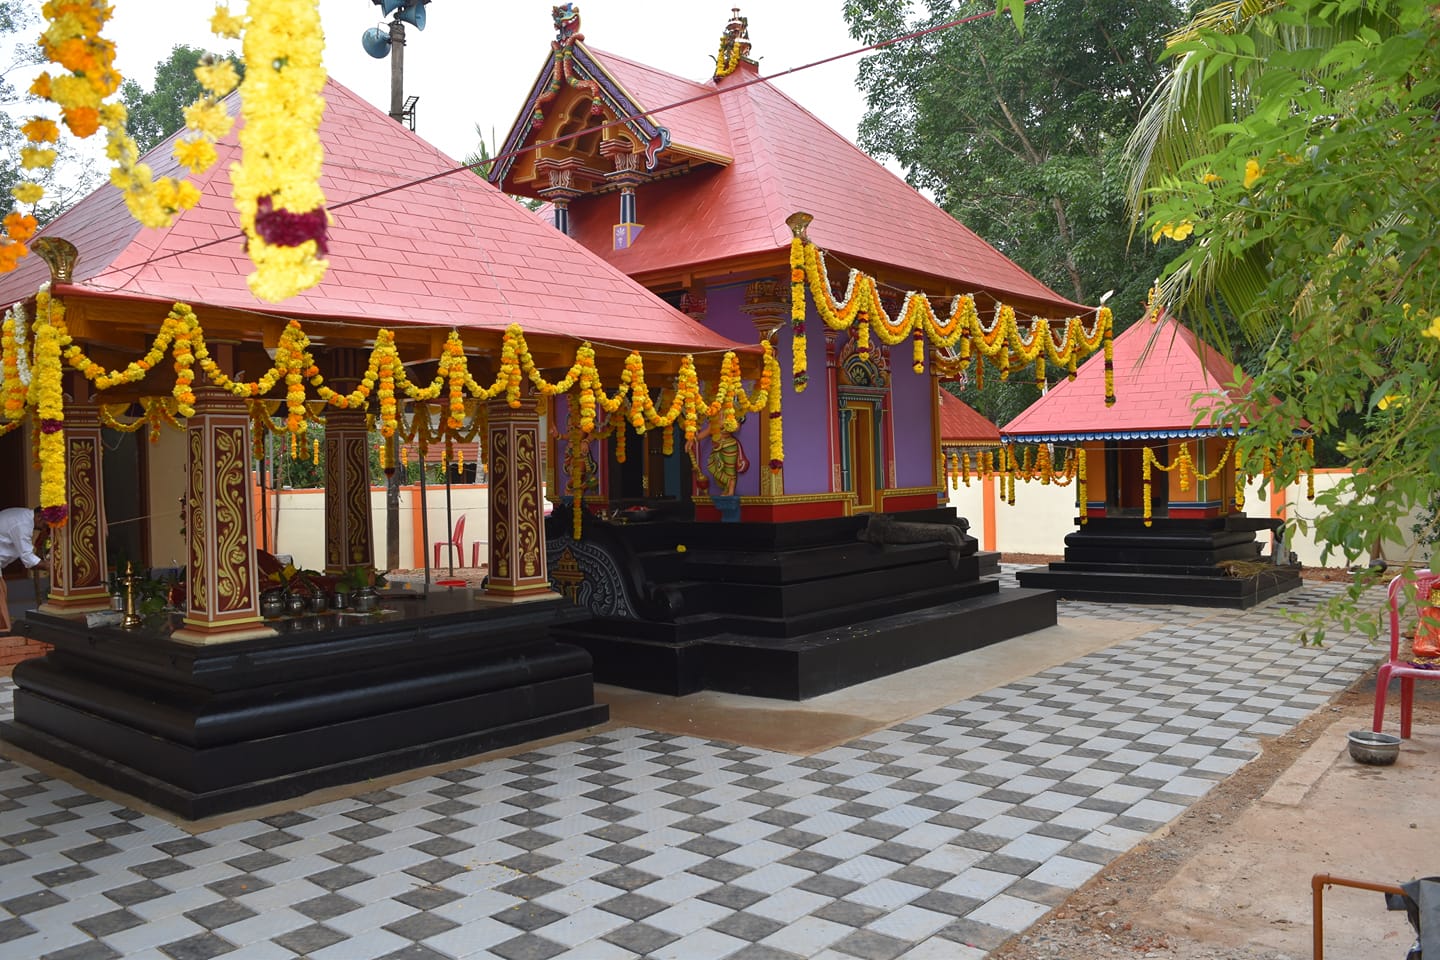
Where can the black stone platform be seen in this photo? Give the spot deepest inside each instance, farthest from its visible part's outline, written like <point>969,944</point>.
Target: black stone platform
<point>201,730</point>
<point>784,610</point>
<point>1202,563</point>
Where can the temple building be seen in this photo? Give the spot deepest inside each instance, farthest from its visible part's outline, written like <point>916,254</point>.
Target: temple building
<point>224,704</point>
<point>703,191</point>
<point>1161,499</point>
<point>693,202</point>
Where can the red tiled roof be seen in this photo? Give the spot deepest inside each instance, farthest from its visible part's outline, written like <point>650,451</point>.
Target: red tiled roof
<point>700,125</point>
<point>1159,369</point>
<point>962,425</point>
<point>787,161</point>
<point>451,252</point>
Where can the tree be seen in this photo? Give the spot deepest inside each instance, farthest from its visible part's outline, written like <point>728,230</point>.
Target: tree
<point>1296,143</point>
<point>1021,136</point>
<point>155,114</point>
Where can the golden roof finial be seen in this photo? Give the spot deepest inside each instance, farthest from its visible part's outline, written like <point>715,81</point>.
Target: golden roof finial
<point>734,44</point>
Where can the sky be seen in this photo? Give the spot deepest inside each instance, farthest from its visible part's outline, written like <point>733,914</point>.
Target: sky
<point>475,61</point>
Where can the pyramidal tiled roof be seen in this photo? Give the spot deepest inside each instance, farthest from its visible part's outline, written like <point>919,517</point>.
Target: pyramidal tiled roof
<point>962,425</point>
<point>785,160</point>
<point>1160,368</point>
<point>450,252</point>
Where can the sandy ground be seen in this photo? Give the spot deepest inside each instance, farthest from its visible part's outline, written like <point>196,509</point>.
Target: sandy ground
<point>1230,879</point>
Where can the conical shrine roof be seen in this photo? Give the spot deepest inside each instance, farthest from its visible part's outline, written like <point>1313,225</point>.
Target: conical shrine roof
<point>451,252</point>
<point>1165,379</point>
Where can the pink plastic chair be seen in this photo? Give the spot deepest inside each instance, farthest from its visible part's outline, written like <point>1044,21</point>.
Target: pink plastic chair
<point>455,543</point>
<point>1396,665</point>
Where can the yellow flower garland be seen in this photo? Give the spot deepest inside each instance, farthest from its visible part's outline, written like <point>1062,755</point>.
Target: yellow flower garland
<point>1185,463</point>
<point>12,356</point>
<point>1062,343</point>
<point>276,185</point>
<point>182,336</point>
<point>48,399</point>
<point>71,40</point>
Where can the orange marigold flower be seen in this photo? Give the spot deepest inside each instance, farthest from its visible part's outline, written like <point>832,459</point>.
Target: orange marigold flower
<point>41,130</point>
<point>20,226</point>
<point>82,121</point>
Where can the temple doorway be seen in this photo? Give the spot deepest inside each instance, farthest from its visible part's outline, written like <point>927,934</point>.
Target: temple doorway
<point>1125,480</point>
<point>859,446</point>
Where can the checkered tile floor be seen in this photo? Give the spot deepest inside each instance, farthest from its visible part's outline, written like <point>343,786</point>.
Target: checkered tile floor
<point>938,837</point>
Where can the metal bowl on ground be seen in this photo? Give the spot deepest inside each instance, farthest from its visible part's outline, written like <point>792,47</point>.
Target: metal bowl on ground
<point>1376,749</point>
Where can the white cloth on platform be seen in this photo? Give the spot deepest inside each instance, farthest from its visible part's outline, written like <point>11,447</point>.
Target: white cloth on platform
<point>17,535</point>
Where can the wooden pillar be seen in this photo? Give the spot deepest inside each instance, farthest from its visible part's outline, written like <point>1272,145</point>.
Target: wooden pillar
<point>988,537</point>
<point>517,523</point>
<point>348,534</point>
<point>78,569</point>
<point>222,593</point>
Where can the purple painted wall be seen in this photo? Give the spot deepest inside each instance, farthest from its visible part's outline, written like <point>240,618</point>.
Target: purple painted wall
<point>807,452</point>
<point>722,314</point>
<point>911,404</point>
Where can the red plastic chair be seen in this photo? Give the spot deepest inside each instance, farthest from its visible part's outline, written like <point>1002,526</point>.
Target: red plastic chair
<point>476,549</point>
<point>1396,665</point>
<point>455,543</point>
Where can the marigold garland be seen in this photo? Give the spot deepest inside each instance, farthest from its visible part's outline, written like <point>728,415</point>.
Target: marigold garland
<point>71,40</point>
<point>276,184</point>
<point>14,375</point>
<point>182,337</point>
<point>48,399</point>
<point>1002,343</point>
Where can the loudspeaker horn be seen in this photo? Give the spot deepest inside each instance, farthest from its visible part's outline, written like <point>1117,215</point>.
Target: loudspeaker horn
<point>414,13</point>
<point>376,42</point>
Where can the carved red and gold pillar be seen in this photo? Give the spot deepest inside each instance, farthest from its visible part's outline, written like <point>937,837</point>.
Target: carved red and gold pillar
<point>517,531</point>
<point>348,530</point>
<point>222,593</point>
<point>78,573</point>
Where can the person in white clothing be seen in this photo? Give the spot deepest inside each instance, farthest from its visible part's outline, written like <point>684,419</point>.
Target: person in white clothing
<point>22,537</point>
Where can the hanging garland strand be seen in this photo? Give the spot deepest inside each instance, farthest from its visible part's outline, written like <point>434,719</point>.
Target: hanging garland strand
<point>1063,343</point>
<point>183,339</point>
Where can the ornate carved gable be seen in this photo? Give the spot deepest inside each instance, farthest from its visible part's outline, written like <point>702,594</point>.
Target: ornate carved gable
<point>604,140</point>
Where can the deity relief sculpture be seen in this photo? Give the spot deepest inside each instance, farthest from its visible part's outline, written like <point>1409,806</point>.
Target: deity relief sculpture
<point>726,461</point>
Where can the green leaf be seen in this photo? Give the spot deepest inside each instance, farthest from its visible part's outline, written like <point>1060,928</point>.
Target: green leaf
<point>1016,9</point>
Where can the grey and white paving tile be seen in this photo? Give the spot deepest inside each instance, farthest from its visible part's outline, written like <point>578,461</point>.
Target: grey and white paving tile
<point>939,836</point>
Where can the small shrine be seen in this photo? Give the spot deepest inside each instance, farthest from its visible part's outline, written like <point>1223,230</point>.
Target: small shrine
<point>1160,493</point>
<point>966,438</point>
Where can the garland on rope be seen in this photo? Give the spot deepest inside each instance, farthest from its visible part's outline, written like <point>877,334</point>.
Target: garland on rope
<point>1017,461</point>
<point>182,337</point>
<point>1063,343</point>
